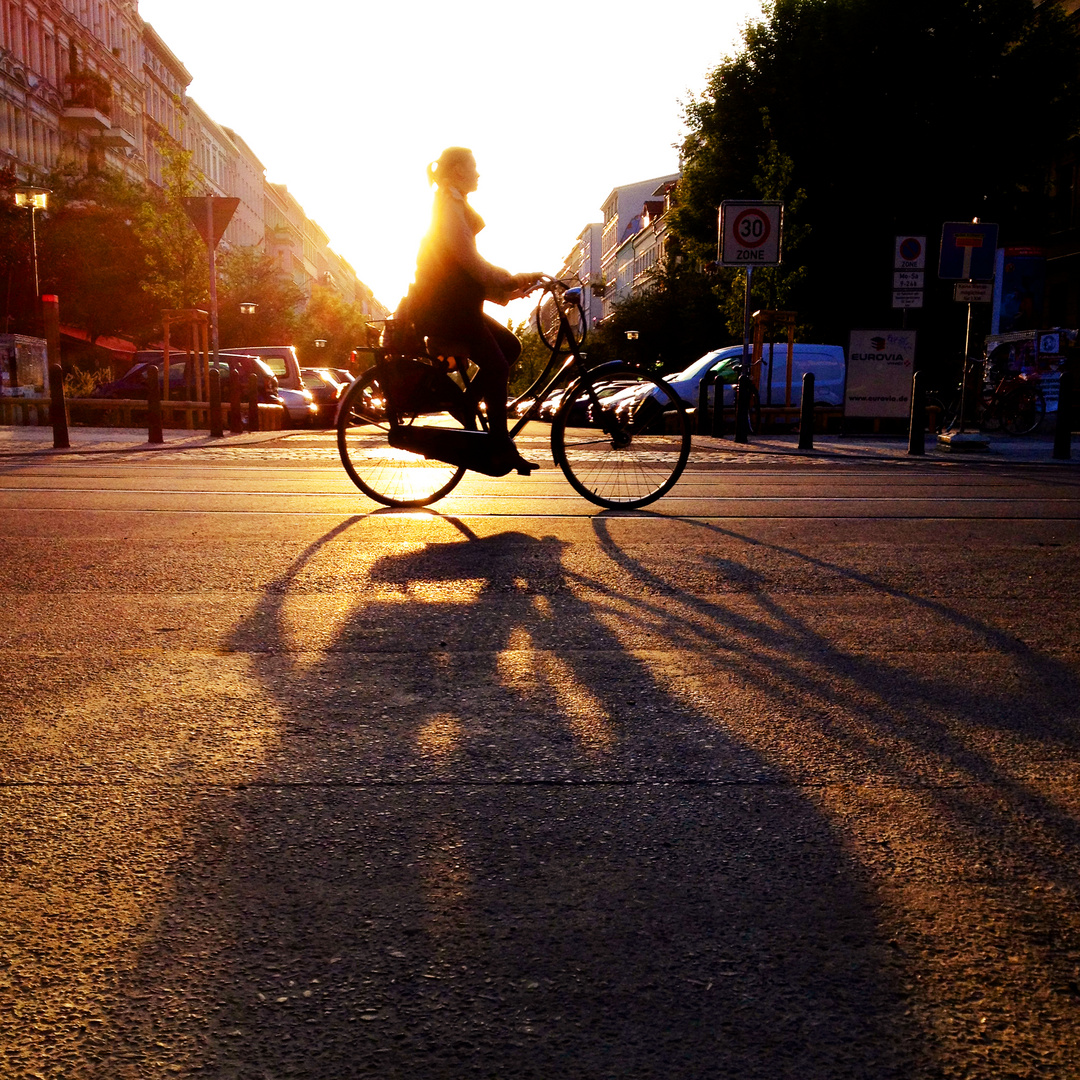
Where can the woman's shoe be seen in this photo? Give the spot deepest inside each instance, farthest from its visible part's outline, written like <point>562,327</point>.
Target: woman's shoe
<point>505,453</point>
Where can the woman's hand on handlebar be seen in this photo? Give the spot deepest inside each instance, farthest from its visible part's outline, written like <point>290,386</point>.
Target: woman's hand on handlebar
<point>526,283</point>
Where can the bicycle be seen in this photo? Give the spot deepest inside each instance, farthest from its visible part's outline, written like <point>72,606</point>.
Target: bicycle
<point>1006,401</point>
<point>412,425</point>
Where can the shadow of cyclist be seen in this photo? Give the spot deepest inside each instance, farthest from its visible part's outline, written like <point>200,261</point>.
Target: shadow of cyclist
<point>498,836</point>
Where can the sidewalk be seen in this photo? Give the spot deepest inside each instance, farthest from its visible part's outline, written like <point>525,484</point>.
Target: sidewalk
<point>1004,449</point>
<point>17,441</point>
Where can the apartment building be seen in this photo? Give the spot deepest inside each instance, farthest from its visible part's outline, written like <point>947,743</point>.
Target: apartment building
<point>626,212</point>
<point>583,265</point>
<point>88,83</point>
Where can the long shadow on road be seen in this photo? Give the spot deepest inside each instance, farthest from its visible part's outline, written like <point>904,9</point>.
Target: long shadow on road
<point>502,833</point>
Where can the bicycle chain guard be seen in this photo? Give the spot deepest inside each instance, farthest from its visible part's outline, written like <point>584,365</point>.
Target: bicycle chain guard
<point>469,449</point>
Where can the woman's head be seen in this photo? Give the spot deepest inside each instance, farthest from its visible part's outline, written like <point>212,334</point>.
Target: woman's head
<point>456,166</point>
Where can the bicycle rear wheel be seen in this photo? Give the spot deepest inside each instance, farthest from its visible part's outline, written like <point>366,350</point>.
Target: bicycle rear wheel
<point>621,438</point>
<point>1022,409</point>
<point>391,476</point>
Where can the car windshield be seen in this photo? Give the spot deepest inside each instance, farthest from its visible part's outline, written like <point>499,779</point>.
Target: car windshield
<point>696,367</point>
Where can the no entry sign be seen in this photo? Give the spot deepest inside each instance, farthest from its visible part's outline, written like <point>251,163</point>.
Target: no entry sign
<point>750,233</point>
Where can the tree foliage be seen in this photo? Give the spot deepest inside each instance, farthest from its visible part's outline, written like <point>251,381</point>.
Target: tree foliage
<point>329,317</point>
<point>889,117</point>
<point>93,258</point>
<point>676,319</point>
<point>177,264</point>
<point>248,275</point>
<point>16,279</point>
<point>534,357</point>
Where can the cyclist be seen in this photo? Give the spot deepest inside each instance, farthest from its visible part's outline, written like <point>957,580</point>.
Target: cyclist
<point>446,300</point>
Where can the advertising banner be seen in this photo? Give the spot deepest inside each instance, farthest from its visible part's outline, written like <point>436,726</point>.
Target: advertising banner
<point>879,370</point>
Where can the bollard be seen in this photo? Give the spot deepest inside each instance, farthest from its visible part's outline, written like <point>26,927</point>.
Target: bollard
<point>806,413</point>
<point>58,408</point>
<point>742,409</point>
<point>916,440</point>
<point>216,430</point>
<point>153,406</point>
<point>717,429</point>
<point>703,426</point>
<point>236,419</point>
<point>253,402</point>
<point>1063,426</point>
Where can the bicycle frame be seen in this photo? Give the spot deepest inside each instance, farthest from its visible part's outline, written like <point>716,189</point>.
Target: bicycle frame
<point>574,360</point>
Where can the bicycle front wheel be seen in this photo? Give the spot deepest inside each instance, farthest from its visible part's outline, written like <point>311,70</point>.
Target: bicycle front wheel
<point>389,476</point>
<point>1022,410</point>
<point>621,438</point>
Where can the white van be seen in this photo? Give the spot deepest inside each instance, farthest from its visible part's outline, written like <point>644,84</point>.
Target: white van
<point>280,359</point>
<point>827,362</point>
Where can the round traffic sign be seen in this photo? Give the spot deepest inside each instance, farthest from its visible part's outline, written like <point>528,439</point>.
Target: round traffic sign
<point>910,248</point>
<point>752,227</point>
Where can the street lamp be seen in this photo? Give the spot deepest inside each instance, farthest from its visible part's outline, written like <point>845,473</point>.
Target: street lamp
<point>320,343</point>
<point>33,198</point>
<point>248,308</point>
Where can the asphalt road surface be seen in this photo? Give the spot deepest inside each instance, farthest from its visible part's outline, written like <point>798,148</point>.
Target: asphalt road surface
<point>777,780</point>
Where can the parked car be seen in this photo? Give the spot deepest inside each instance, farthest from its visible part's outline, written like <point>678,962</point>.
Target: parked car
<point>281,359</point>
<point>327,390</point>
<point>581,411</point>
<point>133,384</point>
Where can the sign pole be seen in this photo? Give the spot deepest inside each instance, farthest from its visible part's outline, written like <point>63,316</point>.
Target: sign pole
<point>211,246</point>
<point>746,324</point>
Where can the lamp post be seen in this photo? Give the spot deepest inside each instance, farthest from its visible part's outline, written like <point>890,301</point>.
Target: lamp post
<point>248,308</point>
<point>33,199</point>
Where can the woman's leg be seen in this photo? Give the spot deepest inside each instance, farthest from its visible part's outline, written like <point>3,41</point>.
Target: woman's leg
<point>493,351</point>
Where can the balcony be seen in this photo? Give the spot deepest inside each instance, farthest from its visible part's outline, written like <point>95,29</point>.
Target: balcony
<point>121,135</point>
<point>88,103</point>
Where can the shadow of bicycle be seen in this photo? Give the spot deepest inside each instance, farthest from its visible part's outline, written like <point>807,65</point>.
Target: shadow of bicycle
<point>540,806</point>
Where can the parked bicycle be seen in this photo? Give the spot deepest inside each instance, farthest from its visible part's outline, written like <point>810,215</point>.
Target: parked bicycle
<point>1001,400</point>
<point>410,427</point>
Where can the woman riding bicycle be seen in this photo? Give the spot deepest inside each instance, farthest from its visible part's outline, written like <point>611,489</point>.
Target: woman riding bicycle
<point>446,301</point>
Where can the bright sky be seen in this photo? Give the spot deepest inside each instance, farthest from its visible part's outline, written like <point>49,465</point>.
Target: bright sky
<point>346,103</point>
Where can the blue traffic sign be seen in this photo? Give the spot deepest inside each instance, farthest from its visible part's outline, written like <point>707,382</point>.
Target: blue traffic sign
<point>968,250</point>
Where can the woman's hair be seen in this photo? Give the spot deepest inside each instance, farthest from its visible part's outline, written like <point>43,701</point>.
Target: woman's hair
<point>449,159</point>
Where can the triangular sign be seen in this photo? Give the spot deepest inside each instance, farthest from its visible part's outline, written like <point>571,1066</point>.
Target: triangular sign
<point>223,210</point>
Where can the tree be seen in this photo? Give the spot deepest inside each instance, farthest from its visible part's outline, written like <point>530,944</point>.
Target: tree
<point>534,357</point>
<point>176,263</point>
<point>16,283</point>
<point>331,318</point>
<point>677,319</point>
<point>247,275</point>
<point>896,115</point>
<point>93,258</point>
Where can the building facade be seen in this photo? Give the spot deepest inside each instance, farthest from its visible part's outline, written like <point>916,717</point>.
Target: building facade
<point>626,212</point>
<point>87,84</point>
<point>583,265</point>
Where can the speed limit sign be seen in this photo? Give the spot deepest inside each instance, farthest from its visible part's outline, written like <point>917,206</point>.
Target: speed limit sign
<point>750,233</point>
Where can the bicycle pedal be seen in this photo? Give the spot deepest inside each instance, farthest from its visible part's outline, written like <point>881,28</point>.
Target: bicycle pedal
<point>526,468</point>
